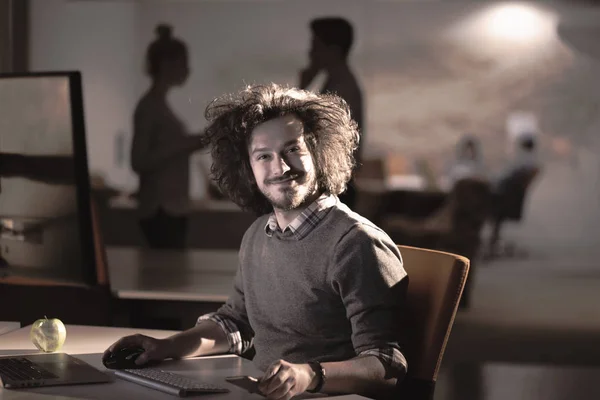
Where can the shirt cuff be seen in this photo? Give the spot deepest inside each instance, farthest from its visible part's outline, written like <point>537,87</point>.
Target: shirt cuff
<point>392,359</point>
<point>234,337</point>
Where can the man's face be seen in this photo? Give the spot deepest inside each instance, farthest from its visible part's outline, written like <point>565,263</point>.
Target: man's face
<point>282,164</point>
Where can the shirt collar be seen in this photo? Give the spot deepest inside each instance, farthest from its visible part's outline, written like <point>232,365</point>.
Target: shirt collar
<point>304,223</point>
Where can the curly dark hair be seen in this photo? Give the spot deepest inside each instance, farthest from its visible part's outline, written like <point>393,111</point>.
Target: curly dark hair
<point>330,133</point>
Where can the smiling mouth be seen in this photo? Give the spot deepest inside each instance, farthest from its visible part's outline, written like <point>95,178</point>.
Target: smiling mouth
<point>289,179</point>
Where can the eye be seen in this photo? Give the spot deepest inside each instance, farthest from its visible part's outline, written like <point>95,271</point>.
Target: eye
<point>293,149</point>
<point>262,157</point>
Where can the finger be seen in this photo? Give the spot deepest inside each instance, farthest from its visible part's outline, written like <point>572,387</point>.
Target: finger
<point>144,358</point>
<point>270,372</point>
<point>127,341</point>
<point>150,351</point>
<point>124,342</point>
<point>278,381</point>
<point>284,391</point>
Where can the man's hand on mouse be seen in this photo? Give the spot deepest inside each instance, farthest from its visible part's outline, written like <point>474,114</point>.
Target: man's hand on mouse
<point>154,349</point>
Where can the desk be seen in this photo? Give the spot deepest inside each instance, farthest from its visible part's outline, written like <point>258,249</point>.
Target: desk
<point>377,199</point>
<point>168,288</point>
<point>120,222</point>
<point>8,326</point>
<point>88,343</point>
<point>188,275</point>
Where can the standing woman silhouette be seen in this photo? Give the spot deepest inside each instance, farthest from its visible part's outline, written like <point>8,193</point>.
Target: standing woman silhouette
<point>162,147</point>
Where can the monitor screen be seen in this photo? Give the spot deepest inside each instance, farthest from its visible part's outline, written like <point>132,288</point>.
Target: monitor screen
<point>45,215</point>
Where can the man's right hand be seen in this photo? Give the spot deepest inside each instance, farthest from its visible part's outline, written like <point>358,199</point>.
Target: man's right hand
<point>155,349</point>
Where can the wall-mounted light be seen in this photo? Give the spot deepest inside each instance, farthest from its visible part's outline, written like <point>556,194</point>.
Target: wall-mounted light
<point>506,27</point>
<point>516,22</point>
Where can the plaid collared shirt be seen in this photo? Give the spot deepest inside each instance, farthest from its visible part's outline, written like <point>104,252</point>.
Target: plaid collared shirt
<point>391,357</point>
<point>304,223</point>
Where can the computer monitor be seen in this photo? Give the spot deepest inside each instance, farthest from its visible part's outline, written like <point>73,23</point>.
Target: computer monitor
<point>45,210</point>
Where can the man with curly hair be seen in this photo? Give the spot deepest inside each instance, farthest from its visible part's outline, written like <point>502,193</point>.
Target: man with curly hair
<point>319,291</point>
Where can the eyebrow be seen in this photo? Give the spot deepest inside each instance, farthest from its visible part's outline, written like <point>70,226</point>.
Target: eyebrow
<point>286,144</point>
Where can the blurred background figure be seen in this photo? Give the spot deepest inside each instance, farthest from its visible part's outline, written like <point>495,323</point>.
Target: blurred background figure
<point>525,159</point>
<point>331,42</point>
<point>469,163</point>
<point>511,185</point>
<point>162,147</point>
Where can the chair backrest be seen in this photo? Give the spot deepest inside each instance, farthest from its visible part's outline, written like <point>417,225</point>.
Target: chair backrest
<point>436,282</point>
<point>472,199</point>
<point>514,190</point>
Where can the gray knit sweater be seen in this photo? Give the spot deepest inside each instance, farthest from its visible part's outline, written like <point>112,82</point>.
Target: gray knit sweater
<point>325,297</point>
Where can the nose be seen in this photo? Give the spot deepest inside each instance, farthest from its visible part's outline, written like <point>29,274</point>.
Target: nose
<point>281,166</point>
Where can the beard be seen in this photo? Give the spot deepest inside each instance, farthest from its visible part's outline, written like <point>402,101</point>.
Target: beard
<point>291,197</point>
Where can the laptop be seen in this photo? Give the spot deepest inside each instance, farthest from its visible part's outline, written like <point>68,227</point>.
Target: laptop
<point>38,370</point>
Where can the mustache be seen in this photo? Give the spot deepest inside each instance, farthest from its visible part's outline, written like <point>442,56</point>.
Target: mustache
<point>287,176</point>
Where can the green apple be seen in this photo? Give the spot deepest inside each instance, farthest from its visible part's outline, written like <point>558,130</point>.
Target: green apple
<point>48,335</point>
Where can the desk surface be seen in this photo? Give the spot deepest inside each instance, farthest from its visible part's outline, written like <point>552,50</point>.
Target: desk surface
<point>8,326</point>
<point>189,275</point>
<point>125,202</point>
<point>88,343</point>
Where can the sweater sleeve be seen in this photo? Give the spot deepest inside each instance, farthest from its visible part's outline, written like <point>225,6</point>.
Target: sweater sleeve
<point>233,319</point>
<point>368,275</point>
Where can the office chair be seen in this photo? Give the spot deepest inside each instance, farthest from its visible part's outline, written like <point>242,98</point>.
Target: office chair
<point>509,203</point>
<point>73,303</point>
<point>455,227</point>
<point>472,204</point>
<point>436,283</point>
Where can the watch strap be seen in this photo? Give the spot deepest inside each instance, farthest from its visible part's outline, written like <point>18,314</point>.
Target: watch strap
<point>321,375</point>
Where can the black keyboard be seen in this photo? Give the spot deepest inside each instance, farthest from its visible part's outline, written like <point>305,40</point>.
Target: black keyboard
<point>21,369</point>
<point>168,382</point>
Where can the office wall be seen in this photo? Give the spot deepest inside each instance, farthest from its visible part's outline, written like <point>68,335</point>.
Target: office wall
<point>97,38</point>
<point>431,72</point>
<point>424,80</point>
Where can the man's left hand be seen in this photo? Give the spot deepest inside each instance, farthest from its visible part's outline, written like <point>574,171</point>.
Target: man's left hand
<point>284,380</point>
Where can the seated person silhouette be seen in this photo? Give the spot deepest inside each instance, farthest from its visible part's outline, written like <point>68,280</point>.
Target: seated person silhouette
<point>510,188</point>
<point>332,39</point>
<point>468,163</point>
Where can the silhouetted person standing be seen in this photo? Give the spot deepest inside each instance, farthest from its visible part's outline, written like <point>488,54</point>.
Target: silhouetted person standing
<point>332,39</point>
<point>162,147</point>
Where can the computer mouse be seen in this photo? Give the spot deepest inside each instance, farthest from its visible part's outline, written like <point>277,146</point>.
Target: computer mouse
<point>123,358</point>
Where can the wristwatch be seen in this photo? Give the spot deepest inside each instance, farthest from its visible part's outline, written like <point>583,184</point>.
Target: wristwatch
<point>321,375</point>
